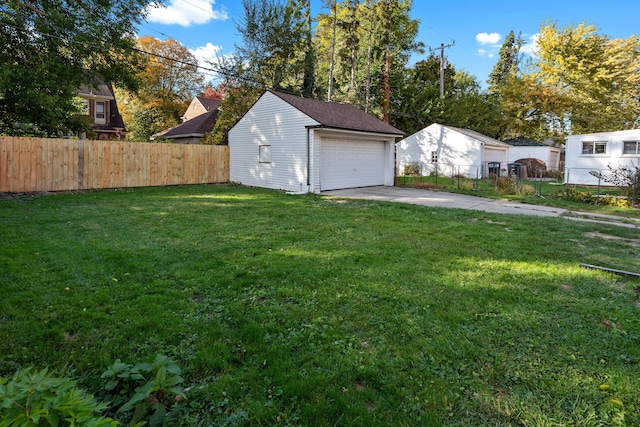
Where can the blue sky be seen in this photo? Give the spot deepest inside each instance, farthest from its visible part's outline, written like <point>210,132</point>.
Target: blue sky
<point>478,28</point>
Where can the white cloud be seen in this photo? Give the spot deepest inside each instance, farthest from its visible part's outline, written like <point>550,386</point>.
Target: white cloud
<point>207,54</point>
<point>186,12</point>
<point>531,47</point>
<point>485,38</point>
<point>483,52</point>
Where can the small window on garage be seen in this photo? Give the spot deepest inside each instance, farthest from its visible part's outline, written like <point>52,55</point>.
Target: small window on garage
<point>265,154</point>
<point>434,157</point>
<point>594,147</point>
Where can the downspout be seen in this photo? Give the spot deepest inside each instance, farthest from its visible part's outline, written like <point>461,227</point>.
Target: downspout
<point>308,159</point>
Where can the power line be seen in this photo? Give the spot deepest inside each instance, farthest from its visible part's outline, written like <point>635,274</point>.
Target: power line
<point>197,66</point>
<point>132,48</point>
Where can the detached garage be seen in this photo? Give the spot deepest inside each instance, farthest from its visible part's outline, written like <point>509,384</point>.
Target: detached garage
<point>302,145</point>
<point>452,151</point>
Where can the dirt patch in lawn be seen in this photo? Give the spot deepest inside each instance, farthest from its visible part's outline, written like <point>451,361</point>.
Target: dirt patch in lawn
<point>632,242</point>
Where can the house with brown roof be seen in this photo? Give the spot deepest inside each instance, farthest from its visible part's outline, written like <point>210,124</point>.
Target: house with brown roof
<point>200,105</point>
<point>99,103</point>
<point>199,120</point>
<point>191,131</point>
<point>302,145</point>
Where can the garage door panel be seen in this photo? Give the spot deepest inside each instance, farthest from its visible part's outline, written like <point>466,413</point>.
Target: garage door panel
<point>345,164</point>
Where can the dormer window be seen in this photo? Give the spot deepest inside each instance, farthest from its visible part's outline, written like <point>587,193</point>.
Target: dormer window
<point>101,112</point>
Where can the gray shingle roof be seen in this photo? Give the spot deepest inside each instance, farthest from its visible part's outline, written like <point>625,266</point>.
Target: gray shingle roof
<point>523,142</point>
<point>338,116</point>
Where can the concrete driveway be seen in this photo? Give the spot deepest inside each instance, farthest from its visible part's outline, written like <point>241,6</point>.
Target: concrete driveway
<point>416,196</point>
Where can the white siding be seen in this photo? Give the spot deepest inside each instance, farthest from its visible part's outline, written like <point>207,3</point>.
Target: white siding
<point>194,110</point>
<point>578,165</point>
<point>271,121</point>
<point>495,154</point>
<point>549,155</point>
<point>456,152</point>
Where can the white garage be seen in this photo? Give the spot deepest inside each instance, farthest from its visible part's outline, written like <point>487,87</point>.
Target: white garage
<point>451,151</point>
<point>302,145</point>
<point>345,164</point>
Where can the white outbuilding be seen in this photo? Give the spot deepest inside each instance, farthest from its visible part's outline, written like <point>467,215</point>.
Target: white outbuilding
<point>448,150</point>
<point>524,148</point>
<point>598,152</point>
<point>301,145</point>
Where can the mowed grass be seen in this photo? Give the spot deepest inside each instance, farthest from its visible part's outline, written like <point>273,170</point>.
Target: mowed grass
<point>306,310</point>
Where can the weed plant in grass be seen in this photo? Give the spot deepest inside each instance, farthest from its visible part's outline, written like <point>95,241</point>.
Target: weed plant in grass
<point>307,310</point>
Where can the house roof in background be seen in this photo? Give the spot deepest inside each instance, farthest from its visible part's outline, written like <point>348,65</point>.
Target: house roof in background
<point>523,142</point>
<point>480,137</point>
<point>209,103</point>
<point>337,115</point>
<point>98,89</point>
<point>104,91</point>
<point>198,126</point>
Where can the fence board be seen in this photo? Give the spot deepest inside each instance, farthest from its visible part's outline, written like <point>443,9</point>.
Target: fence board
<point>41,164</point>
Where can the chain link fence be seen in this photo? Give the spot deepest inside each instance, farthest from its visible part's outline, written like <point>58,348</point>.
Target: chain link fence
<point>493,176</point>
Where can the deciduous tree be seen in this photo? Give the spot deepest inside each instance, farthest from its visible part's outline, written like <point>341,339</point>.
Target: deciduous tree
<point>48,49</point>
<point>579,82</point>
<point>169,80</point>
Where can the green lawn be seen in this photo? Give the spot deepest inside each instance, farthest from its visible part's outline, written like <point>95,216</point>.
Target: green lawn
<point>306,310</point>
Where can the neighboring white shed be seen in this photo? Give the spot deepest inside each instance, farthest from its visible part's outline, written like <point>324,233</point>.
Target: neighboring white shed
<point>597,151</point>
<point>452,150</point>
<point>302,145</point>
<point>524,148</point>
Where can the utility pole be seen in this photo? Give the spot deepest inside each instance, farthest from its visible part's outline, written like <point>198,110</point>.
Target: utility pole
<point>442,64</point>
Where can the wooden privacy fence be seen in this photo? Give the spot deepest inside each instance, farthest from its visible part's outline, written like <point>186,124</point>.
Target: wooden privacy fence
<point>41,164</point>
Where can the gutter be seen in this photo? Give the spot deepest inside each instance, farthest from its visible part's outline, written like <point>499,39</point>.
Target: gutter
<point>359,131</point>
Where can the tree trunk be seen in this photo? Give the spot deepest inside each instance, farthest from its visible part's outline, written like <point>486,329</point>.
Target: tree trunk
<point>387,67</point>
<point>368,82</point>
<point>354,46</point>
<point>333,49</point>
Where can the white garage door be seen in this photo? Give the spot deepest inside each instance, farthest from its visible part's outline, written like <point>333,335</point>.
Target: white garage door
<point>348,164</point>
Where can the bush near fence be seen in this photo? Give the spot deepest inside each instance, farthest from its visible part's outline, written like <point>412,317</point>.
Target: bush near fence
<point>42,164</point>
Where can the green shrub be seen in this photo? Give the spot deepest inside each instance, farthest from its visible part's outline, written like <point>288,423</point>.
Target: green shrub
<point>467,185</point>
<point>505,185</point>
<point>589,198</point>
<point>526,190</point>
<point>144,392</point>
<point>39,398</point>
<point>575,195</point>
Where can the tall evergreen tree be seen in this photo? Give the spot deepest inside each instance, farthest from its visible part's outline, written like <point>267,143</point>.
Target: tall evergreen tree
<point>508,63</point>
